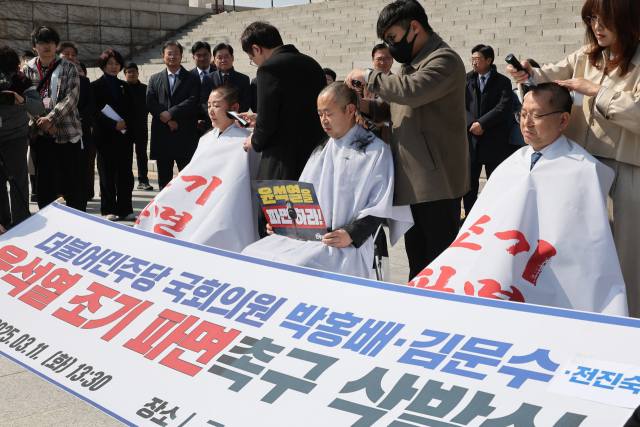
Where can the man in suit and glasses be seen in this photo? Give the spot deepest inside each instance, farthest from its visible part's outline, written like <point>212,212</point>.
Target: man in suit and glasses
<point>488,102</point>
<point>225,73</point>
<point>172,98</point>
<point>201,52</point>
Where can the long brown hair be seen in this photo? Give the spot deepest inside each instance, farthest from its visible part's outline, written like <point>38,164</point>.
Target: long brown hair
<point>621,17</point>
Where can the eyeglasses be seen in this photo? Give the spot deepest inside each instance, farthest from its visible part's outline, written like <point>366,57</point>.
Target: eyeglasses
<point>172,54</point>
<point>382,60</point>
<point>593,20</point>
<point>535,118</point>
<point>41,44</point>
<point>253,64</point>
<point>475,60</point>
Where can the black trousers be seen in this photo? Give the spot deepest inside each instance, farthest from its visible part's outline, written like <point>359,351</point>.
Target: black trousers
<point>89,159</point>
<point>14,152</point>
<point>435,227</point>
<point>165,169</point>
<point>57,163</point>
<point>115,157</point>
<point>142,141</point>
<point>470,198</point>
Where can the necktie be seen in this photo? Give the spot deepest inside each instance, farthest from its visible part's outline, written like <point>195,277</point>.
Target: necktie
<point>171,82</point>
<point>482,80</point>
<point>534,158</point>
<point>224,78</point>
<point>201,76</point>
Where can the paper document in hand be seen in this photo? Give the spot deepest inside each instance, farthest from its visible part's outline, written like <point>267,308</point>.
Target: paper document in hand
<point>110,112</point>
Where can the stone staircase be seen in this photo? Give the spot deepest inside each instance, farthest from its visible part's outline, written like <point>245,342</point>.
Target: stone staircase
<point>340,34</point>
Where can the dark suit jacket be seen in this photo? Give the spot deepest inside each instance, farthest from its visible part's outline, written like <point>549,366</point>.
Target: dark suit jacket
<point>103,130</point>
<point>197,72</point>
<point>86,108</point>
<point>254,95</point>
<point>491,109</point>
<point>213,80</point>
<point>288,128</point>
<point>141,126</point>
<point>182,106</point>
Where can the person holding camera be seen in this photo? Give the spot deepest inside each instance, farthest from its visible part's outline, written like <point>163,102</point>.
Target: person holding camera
<point>55,135</point>
<point>18,99</point>
<point>425,105</point>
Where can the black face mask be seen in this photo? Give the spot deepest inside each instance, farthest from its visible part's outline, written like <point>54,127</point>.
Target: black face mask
<point>402,51</point>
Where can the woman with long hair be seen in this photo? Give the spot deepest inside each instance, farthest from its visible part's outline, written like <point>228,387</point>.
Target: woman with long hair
<point>607,121</point>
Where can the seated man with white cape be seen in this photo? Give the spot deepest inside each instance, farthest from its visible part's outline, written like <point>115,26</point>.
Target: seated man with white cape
<point>539,232</point>
<point>352,174</point>
<point>209,201</point>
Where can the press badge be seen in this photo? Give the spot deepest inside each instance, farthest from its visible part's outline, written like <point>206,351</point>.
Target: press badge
<point>46,102</point>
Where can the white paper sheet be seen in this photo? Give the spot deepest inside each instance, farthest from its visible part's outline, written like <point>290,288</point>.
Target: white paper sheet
<point>110,112</point>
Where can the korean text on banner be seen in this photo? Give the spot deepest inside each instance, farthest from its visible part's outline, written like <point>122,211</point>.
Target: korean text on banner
<point>157,331</point>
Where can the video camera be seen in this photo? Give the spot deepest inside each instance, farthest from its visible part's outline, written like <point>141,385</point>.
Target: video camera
<point>5,83</point>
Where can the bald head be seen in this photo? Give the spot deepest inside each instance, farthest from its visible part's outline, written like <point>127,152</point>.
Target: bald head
<point>337,109</point>
<point>343,96</point>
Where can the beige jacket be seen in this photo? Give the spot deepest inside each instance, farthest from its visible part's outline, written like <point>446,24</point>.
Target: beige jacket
<point>425,106</point>
<point>612,128</point>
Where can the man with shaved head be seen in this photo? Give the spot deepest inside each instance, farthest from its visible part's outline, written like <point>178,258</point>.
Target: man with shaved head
<point>352,173</point>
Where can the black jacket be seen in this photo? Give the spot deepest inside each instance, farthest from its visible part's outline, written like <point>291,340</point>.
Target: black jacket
<point>103,130</point>
<point>288,128</point>
<point>254,95</point>
<point>141,126</point>
<point>196,71</point>
<point>86,109</point>
<point>182,105</point>
<point>491,109</point>
<point>213,80</point>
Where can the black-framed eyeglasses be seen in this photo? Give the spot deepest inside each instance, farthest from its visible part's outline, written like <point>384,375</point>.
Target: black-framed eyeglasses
<point>593,20</point>
<point>535,118</point>
<point>253,64</point>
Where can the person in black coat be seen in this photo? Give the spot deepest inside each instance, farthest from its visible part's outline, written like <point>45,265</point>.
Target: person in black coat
<point>225,73</point>
<point>287,130</point>
<point>141,126</point>
<point>115,149</point>
<point>173,106</point>
<point>86,110</point>
<point>488,102</point>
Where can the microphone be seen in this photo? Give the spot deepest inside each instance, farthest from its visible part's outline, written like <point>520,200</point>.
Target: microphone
<point>292,214</point>
<point>511,59</point>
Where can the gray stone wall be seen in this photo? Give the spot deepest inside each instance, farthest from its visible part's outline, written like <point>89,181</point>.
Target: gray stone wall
<point>97,25</point>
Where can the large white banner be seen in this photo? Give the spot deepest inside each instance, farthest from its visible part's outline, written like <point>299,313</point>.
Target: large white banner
<point>157,331</point>
<point>210,201</point>
<point>539,236</point>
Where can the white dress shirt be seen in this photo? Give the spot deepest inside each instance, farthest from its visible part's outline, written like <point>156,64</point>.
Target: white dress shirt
<point>172,78</point>
<point>486,79</point>
<point>204,72</point>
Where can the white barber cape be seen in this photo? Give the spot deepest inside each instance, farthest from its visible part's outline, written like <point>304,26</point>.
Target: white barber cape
<point>350,184</point>
<point>539,236</point>
<point>223,218</point>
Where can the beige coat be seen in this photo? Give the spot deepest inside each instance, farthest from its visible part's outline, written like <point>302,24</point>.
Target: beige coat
<point>425,106</point>
<point>612,128</point>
